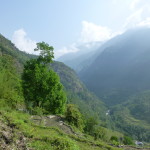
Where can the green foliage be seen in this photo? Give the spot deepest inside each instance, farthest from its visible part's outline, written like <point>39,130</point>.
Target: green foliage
<point>63,144</point>
<point>127,140</point>
<point>78,94</point>
<point>43,138</point>
<point>46,52</point>
<point>99,133</point>
<point>126,117</point>
<point>9,49</point>
<point>41,86</point>
<point>10,88</point>
<point>39,137</point>
<point>141,103</point>
<point>74,117</point>
<point>114,138</point>
<point>90,124</point>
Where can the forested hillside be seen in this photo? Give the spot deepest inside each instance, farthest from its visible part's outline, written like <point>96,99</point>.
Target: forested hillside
<point>76,91</point>
<point>132,116</point>
<point>120,76</point>
<point>19,132</point>
<point>122,69</point>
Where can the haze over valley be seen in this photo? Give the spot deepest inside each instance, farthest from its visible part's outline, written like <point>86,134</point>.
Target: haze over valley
<point>75,75</point>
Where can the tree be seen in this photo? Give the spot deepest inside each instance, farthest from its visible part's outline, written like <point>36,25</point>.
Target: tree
<point>46,52</point>
<point>127,140</point>
<point>74,117</point>
<point>90,124</point>
<point>99,133</point>
<point>41,85</point>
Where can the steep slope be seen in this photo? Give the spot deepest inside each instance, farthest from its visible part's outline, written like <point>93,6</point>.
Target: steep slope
<point>8,48</point>
<point>121,75</point>
<point>140,102</point>
<point>132,116</point>
<point>82,58</point>
<point>76,91</point>
<point>122,69</point>
<point>18,131</point>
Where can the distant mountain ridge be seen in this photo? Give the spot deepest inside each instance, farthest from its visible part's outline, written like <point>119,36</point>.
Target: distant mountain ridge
<point>122,69</point>
<point>82,58</point>
<point>120,76</point>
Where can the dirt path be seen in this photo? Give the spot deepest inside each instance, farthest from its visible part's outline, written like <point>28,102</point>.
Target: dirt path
<point>53,121</point>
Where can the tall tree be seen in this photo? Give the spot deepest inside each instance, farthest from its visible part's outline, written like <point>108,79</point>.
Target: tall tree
<point>41,85</point>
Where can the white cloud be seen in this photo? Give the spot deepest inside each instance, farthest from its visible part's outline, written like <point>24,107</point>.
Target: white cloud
<point>145,22</point>
<point>140,14</point>
<point>90,35</point>
<point>133,19</point>
<point>65,50</point>
<point>134,4</point>
<point>92,32</point>
<point>23,42</point>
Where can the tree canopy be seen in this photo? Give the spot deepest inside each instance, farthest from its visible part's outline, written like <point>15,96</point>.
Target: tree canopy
<point>41,85</point>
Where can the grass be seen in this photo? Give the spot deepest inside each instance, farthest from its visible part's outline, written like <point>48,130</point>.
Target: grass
<point>47,138</point>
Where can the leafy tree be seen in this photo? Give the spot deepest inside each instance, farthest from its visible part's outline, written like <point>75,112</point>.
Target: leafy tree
<point>46,52</point>
<point>74,117</point>
<point>90,124</point>
<point>127,140</point>
<point>41,85</point>
<point>99,133</point>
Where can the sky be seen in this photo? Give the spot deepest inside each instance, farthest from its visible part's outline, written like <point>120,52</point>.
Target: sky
<point>65,24</point>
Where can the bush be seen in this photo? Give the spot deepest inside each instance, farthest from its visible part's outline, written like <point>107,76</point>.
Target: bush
<point>114,138</point>
<point>90,125</point>
<point>99,133</point>
<point>63,144</point>
<point>74,117</point>
<point>127,140</point>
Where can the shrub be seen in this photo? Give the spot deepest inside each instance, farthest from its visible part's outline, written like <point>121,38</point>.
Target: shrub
<point>99,133</point>
<point>127,140</point>
<point>74,117</point>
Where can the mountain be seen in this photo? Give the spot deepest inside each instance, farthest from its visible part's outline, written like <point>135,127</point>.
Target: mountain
<point>82,58</point>
<point>120,76</point>
<point>132,116</point>
<point>122,69</point>
<point>21,130</point>
<point>76,91</point>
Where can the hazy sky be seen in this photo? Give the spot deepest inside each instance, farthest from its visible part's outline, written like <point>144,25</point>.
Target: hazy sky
<point>65,24</point>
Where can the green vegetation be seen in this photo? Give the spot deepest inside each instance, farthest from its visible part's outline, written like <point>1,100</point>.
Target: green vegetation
<point>120,76</point>
<point>127,140</point>
<point>42,89</point>
<point>44,138</point>
<point>132,116</point>
<point>17,131</point>
<point>78,94</point>
<point>90,124</point>
<point>74,117</point>
<point>10,89</point>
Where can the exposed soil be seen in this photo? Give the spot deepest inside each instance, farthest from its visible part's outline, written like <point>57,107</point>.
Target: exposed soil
<point>10,137</point>
<point>53,121</point>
